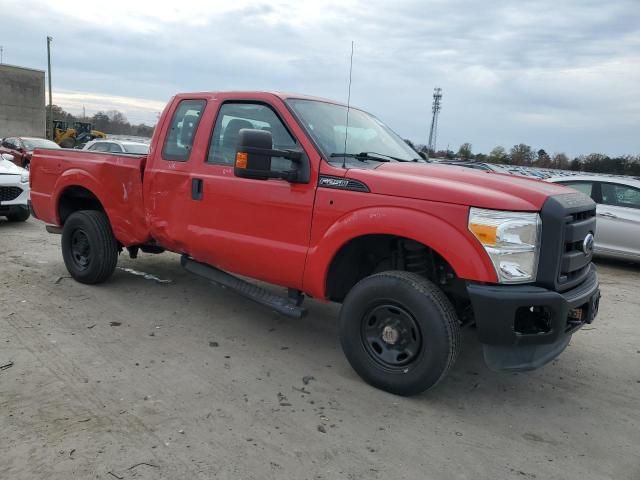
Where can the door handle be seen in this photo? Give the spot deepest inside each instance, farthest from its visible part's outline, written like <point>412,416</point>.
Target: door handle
<point>607,215</point>
<point>197,188</point>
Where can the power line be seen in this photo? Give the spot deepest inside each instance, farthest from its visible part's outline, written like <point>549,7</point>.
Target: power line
<point>433,132</point>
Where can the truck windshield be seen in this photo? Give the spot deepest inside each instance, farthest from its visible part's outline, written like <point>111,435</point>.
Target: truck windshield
<point>369,141</point>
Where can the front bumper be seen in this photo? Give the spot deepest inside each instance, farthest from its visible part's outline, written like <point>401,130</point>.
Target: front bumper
<point>523,327</point>
<point>8,207</point>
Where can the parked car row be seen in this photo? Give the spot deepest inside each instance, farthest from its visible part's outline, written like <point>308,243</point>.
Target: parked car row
<point>21,148</point>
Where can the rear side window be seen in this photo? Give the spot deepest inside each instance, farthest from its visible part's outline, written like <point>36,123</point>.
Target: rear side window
<point>620,195</point>
<point>584,187</point>
<point>182,130</point>
<point>100,147</point>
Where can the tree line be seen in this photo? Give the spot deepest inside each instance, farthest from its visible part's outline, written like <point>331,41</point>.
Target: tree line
<point>525,155</point>
<point>111,122</point>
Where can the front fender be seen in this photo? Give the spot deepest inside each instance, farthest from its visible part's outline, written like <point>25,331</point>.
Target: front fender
<point>446,234</point>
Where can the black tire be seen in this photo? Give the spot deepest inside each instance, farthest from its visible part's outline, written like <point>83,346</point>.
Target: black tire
<point>399,332</point>
<point>20,214</point>
<point>89,249</point>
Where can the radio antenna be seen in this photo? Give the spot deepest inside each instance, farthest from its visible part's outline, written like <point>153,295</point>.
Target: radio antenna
<point>346,130</point>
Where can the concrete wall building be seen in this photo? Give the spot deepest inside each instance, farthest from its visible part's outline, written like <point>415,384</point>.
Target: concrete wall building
<point>22,102</point>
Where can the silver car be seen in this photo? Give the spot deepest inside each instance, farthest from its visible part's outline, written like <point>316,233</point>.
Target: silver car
<point>117,146</point>
<point>618,212</point>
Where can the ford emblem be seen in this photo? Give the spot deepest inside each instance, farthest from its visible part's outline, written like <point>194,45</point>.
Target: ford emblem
<point>587,244</point>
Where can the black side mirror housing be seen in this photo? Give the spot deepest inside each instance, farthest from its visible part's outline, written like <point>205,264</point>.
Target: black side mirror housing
<point>254,153</point>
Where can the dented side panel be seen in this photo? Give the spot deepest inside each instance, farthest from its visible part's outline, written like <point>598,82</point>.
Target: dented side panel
<point>115,180</point>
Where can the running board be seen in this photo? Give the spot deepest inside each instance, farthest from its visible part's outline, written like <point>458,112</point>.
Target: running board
<point>246,289</point>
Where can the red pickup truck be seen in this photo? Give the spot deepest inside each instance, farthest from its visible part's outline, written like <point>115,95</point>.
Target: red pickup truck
<point>277,188</point>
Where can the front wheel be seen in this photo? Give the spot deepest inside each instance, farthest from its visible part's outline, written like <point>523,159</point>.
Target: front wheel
<point>89,249</point>
<point>399,332</point>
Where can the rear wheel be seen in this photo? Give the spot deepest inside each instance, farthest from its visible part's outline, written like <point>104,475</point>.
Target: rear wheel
<point>20,214</point>
<point>399,332</point>
<point>89,249</point>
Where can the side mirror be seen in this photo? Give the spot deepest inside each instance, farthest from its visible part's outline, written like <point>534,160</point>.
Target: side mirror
<point>254,153</point>
<point>7,157</point>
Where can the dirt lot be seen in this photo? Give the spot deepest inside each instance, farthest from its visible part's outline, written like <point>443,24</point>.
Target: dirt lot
<point>140,379</point>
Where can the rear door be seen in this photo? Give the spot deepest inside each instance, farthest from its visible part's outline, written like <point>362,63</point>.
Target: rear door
<point>167,182</point>
<point>619,219</point>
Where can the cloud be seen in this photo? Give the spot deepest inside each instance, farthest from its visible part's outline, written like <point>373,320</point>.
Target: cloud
<point>137,110</point>
<point>559,75</point>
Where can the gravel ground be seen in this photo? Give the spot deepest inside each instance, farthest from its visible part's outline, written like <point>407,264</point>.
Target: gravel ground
<point>183,380</point>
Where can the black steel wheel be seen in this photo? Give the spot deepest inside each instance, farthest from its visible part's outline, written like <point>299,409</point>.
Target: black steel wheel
<point>391,336</point>
<point>89,249</point>
<point>80,249</point>
<point>399,332</point>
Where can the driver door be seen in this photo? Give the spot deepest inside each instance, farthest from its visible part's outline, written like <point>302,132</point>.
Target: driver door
<point>257,228</point>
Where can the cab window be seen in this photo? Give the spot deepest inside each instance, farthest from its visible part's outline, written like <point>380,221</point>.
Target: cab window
<point>182,131</point>
<point>232,118</point>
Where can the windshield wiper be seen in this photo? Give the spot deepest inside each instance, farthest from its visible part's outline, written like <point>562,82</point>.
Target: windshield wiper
<point>363,156</point>
<point>381,157</point>
<point>389,156</point>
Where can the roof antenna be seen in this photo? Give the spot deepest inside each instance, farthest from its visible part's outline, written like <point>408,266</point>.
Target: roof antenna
<point>346,130</point>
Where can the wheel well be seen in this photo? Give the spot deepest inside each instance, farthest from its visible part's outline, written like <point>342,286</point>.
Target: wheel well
<point>77,198</point>
<point>369,254</point>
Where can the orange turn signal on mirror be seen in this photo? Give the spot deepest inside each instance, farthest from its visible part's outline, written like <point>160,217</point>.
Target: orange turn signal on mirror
<point>241,159</point>
<point>487,234</point>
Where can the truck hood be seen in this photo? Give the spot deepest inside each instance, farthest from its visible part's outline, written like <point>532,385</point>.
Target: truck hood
<point>459,185</point>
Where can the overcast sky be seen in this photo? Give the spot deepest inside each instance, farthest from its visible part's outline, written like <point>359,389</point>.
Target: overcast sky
<point>559,75</point>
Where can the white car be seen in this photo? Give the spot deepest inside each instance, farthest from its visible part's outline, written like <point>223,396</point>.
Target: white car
<point>117,146</point>
<point>618,212</point>
<point>14,190</point>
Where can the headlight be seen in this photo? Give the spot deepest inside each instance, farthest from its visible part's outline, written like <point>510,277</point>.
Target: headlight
<point>512,241</point>
<point>24,177</point>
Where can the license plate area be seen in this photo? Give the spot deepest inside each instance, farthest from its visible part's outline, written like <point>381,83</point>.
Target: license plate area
<point>582,314</point>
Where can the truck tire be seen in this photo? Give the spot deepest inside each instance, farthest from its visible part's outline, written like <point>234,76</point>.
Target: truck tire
<point>399,332</point>
<point>89,249</point>
<point>21,214</point>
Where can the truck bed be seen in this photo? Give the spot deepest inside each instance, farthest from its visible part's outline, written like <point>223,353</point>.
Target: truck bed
<point>115,180</point>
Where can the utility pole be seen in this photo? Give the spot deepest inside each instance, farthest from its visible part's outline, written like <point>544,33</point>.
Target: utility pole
<point>51,132</point>
<point>1,54</point>
<point>433,133</point>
